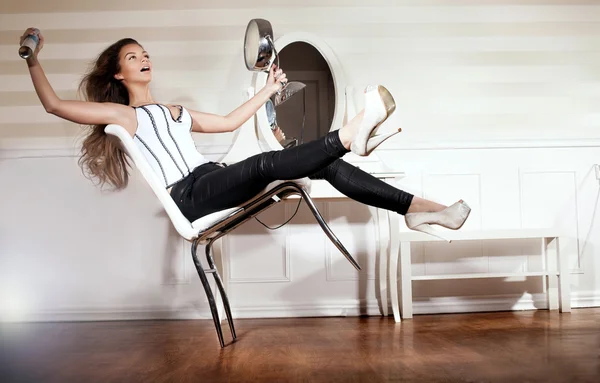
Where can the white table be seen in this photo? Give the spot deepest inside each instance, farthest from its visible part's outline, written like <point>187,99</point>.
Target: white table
<point>555,273</point>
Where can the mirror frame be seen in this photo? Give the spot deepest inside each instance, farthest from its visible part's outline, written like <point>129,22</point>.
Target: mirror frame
<point>266,139</point>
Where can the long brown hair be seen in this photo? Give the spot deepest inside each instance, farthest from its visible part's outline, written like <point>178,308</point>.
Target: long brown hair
<point>102,155</point>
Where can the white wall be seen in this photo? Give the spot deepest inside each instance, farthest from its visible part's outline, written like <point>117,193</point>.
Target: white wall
<point>496,99</point>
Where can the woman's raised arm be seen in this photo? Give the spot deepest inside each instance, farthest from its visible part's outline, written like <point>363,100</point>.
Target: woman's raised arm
<point>80,112</point>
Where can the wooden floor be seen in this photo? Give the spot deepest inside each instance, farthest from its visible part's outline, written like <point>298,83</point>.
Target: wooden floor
<point>492,347</point>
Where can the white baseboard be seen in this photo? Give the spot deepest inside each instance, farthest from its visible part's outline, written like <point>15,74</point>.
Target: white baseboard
<point>583,299</point>
<point>281,310</point>
<point>340,308</point>
<point>445,305</point>
<point>449,305</point>
<point>429,306</point>
<point>107,314</point>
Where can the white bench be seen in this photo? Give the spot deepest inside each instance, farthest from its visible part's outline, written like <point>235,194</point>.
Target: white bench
<point>555,270</point>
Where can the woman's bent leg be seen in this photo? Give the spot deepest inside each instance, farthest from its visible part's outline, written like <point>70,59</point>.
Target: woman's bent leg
<point>213,188</point>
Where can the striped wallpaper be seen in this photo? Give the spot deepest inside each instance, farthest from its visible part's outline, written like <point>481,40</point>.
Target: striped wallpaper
<point>459,69</point>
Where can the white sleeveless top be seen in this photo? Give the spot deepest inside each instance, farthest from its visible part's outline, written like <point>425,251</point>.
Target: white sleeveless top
<point>167,143</point>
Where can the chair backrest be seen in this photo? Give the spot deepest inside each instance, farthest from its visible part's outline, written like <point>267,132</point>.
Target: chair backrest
<point>182,224</point>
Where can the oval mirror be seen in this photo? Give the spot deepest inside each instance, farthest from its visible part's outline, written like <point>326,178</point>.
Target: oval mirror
<point>309,114</point>
<point>313,111</point>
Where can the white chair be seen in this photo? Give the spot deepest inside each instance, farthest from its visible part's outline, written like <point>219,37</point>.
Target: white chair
<point>210,228</point>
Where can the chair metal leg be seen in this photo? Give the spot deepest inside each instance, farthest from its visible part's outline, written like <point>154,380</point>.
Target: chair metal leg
<point>327,229</point>
<point>211,264</point>
<point>209,294</point>
<point>236,219</point>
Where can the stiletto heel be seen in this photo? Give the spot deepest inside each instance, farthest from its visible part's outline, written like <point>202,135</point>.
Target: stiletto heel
<point>453,217</point>
<point>379,105</point>
<point>377,140</point>
<point>428,229</point>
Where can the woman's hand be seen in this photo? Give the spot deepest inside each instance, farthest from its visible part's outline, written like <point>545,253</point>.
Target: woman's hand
<point>212,123</point>
<point>30,32</point>
<point>276,80</point>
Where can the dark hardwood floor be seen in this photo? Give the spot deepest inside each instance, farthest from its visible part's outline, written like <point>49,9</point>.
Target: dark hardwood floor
<point>530,346</point>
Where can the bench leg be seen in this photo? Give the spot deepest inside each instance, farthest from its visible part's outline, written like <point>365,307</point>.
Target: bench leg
<point>393,264</point>
<point>564,286</point>
<point>551,268</point>
<point>406,278</point>
<point>383,226</point>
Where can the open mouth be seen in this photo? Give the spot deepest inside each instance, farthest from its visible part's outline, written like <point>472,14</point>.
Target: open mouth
<point>145,69</point>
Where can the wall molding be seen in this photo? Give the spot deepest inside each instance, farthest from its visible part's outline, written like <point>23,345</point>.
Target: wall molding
<point>59,151</point>
<point>181,276</point>
<point>525,172</point>
<point>493,144</point>
<point>286,254</point>
<point>22,149</point>
<point>348,307</point>
<point>332,254</point>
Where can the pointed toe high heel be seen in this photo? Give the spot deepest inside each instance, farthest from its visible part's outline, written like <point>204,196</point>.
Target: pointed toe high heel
<point>453,217</point>
<point>379,105</point>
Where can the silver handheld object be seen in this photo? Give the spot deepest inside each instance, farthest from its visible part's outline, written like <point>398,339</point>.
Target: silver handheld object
<point>260,55</point>
<point>29,45</point>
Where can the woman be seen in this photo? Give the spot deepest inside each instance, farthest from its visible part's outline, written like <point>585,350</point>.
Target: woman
<point>117,92</point>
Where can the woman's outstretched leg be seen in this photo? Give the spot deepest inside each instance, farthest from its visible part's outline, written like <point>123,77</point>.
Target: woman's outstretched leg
<point>367,189</point>
<point>419,213</point>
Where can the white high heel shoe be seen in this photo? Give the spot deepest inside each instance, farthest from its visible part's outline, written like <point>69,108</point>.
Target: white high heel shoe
<point>453,217</point>
<point>379,105</point>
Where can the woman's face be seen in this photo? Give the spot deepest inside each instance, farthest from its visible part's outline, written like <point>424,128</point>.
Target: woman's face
<point>135,65</point>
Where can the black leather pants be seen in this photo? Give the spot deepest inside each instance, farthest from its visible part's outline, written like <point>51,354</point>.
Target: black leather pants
<point>213,187</point>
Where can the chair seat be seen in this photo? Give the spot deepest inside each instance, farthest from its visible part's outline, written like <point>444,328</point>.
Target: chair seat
<point>209,220</point>
<point>203,223</point>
